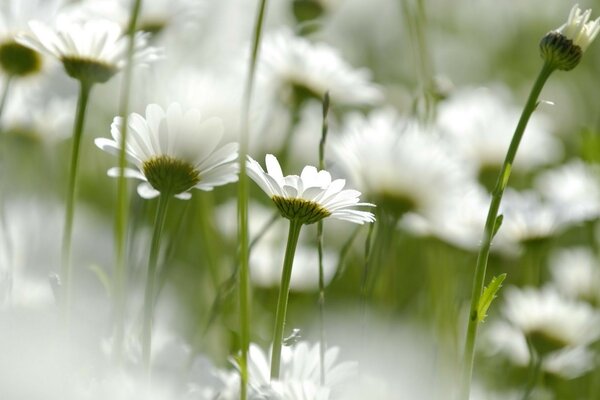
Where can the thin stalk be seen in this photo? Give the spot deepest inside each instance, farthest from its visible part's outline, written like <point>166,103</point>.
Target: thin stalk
<point>322,344</point>
<point>243,205</point>
<point>5,92</point>
<point>161,213</point>
<point>282,301</point>
<point>488,231</point>
<point>120,273</point>
<point>535,367</point>
<point>66,267</point>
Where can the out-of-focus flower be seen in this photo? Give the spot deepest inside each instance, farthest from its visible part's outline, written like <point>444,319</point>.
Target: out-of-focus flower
<point>91,51</point>
<point>562,49</point>
<point>527,218</point>
<point>300,377</point>
<point>299,69</point>
<point>550,321</point>
<point>575,273</point>
<point>399,165</point>
<point>573,188</point>
<point>481,122</point>
<point>174,151</point>
<point>155,16</point>
<point>309,197</point>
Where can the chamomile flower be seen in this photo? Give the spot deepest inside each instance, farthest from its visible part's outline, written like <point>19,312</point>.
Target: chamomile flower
<point>397,163</point>
<point>576,274</point>
<point>91,51</point>
<point>301,69</point>
<point>174,150</point>
<point>562,48</point>
<point>573,188</point>
<point>550,321</point>
<point>310,197</point>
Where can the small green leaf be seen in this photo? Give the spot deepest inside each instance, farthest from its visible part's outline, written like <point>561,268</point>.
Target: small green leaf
<point>489,294</point>
<point>498,224</point>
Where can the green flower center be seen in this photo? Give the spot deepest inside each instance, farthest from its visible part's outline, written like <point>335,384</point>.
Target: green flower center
<point>153,26</point>
<point>544,342</point>
<point>396,204</point>
<point>19,60</point>
<point>307,10</point>
<point>88,70</point>
<point>170,175</point>
<point>305,211</point>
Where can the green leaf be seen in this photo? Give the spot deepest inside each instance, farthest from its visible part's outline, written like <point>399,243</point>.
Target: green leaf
<point>497,224</point>
<point>489,294</point>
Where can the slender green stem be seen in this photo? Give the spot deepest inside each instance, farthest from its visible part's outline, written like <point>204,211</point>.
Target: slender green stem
<point>322,345</point>
<point>243,205</point>
<point>535,367</point>
<point>488,232</point>
<point>5,92</point>
<point>120,273</point>
<point>66,267</point>
<point>282,301</point>
<point>161,213</point>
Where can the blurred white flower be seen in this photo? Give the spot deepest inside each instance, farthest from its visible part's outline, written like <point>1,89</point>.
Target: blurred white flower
<point>549,320</point>
<point>576,273</point>
<point>300,377</point>
<point>528,218</point>
<point>573,188</point>
<point>481,122</point>
<point>299,69</point>
<point>174,151</point>
<point>398,164</point>
<point>155,15</point>
<point>309,197</point>
<point>91,51</point>
<point>501,338</point>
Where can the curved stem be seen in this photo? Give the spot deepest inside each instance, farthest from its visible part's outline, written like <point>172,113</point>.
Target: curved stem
<point>66,267</point>
<point>244,285</point>
<point>120,275</point>
<point>284,290</point>
<point>161,213</point>
<point>488,231</point>
<point>535,366</point>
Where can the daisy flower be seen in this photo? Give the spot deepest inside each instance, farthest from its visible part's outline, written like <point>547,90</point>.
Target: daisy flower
<point>174,151</point>
<point>576,274</point>
<point>301,69</point>
<point>396,162</point>
<point>310,197</point>
<point>91,51</point>
<point>550,321</point>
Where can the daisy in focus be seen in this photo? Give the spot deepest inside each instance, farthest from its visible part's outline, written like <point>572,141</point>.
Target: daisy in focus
<point>310,197</point>
<point>91,51</point>
<point>174,151</point>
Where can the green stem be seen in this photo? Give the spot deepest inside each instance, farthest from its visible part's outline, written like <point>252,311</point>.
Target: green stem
<point>161,213</point>
<point>320,247</point>
<point>5,92</point>
<point>66,267</point>
<point>243,205</point>
<point>282,301</point>
<point>535,367</point>
<point>488,231</point>
<point>120,274</point>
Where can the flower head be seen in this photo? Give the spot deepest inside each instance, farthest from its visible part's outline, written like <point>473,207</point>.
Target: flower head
<point>563,48</point>
<point>91,51</point>
<point>174,151</point>
<point>309,197</point>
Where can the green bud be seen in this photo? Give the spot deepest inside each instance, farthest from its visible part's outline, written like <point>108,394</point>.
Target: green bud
<point>559,51</point>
